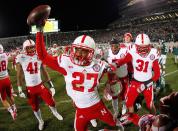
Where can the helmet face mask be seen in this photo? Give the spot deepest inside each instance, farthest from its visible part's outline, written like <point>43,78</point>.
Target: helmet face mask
<point>82,50</point>
<point>143,44</point>
<point>143,50</point>
<point>29,47</point>
<point>1,49</point>
<point>30,50</point>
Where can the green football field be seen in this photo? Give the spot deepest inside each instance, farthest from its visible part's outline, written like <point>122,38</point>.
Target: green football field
<point>27,122</point>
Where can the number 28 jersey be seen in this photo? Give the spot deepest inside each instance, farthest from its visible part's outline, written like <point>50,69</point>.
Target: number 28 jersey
<point>82,81</point>
<point>3,65</point>
<point>31,67</point>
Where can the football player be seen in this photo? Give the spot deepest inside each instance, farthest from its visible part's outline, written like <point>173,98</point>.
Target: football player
<point>175,53</point>
<point>6,88</point>
<point>163,57</point>
<point>127,40</point>
<point>55,50</point>
<point>146,71</point>
<point>117,52</point>
<point>82,74</point>
<point>30,67</point>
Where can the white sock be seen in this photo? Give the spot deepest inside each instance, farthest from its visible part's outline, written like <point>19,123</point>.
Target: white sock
<point>53,109</point>
<point>124,108</point>
<point>55,113</point>
<point>115,106</point>
<point>38,115</point>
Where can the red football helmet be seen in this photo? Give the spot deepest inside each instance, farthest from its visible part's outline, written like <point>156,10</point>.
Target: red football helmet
<point>29,47</point>
<point>142,44</point>
<point>1,49</point>
<point>82,50</point>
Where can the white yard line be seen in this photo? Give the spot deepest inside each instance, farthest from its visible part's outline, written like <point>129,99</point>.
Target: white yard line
<point>24,107</point>
<point>170,73</point>
<point>68,101</point>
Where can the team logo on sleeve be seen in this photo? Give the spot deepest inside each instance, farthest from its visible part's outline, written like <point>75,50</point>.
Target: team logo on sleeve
<point>152,57</point>
<point>96,67</point>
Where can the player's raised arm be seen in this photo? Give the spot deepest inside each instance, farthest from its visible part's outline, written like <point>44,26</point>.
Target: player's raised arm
<point>38,17</point>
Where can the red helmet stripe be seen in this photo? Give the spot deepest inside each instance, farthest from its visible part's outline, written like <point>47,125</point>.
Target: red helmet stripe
<point>83,38</point>
<point>142,39</point>
<point>30,41</point>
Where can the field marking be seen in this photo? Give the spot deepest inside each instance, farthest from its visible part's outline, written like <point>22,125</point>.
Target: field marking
<point>68,101</point>
<point>28,106</point>
<point>170,73</point>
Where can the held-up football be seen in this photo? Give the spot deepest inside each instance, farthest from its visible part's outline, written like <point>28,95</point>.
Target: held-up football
<point>38,15</point>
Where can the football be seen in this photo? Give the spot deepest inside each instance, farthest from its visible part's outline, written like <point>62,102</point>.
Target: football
<point>38,15</point>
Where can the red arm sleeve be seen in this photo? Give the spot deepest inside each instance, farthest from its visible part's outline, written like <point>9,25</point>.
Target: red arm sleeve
<point>48,60</point>
<point>130,67</point>
<point>126,59</point>
<point>156,70</point>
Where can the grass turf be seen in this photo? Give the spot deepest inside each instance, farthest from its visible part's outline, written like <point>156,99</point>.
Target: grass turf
<point>26,120</point>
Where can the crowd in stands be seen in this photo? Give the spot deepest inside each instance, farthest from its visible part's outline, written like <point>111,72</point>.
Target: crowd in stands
<point>164,30</point>
<point>167,31</point>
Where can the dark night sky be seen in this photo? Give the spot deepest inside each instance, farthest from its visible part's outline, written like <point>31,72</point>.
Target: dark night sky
<point>87,14</point>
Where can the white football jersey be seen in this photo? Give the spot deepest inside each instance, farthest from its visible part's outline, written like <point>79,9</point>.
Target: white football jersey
<point>3,65</point>
<point>82,81</point>
<point>128,45</point>
<point>122,71</point>
<point>143,65</point>
<point>31,67</point>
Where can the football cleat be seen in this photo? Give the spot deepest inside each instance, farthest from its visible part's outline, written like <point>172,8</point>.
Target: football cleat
<point>58,116</point>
